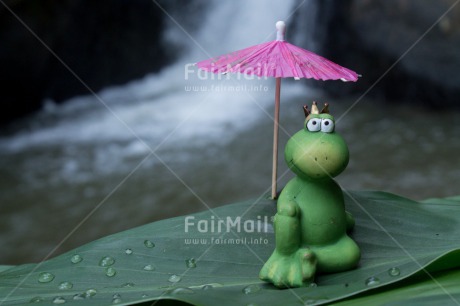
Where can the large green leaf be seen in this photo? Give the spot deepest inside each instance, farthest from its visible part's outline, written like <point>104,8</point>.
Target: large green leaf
<point>440,288</point>
<point>401,240</point>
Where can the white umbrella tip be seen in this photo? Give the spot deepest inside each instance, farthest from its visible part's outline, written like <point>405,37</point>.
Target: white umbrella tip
<point>280,26</point>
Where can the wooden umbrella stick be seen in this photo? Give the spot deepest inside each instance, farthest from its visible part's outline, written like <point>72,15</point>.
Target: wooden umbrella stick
<point>275,137</point>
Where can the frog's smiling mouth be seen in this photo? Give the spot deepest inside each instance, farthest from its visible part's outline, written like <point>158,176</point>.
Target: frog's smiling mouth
<point>294,167</point>
<point>313,175</point>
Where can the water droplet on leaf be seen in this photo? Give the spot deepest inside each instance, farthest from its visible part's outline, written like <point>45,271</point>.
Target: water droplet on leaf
<point>90,293</point>
<point>394,272</point>
<point>372,281</point>
<point>128,285</point>
<point>106,261</point>
<point>313,285</point>
<point>65,286</point>
<point>110,272</point>
<point>174,278</point>
<point>149,244</point>
<point>79,296</point>
<point>116,301</point>
<point>76,259</point>
<point>251,289</point>
<point>59,300</point>
<point>207,287</point>
<point>128,251</point>
<point>149,267</point>
<point>190,263</point>
<point>182,290</point>
<point>36,299</point>
<point>45,277</point>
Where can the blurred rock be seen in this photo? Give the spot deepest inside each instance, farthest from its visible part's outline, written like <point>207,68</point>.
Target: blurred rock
<point>48,48</point>
<point>405,49</point>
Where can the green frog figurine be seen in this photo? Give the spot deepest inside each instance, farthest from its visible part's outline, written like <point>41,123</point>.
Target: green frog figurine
<point>311,223</point>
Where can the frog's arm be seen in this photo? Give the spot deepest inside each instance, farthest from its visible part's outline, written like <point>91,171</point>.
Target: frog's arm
<point>287,226</point>
<point>350,221</point>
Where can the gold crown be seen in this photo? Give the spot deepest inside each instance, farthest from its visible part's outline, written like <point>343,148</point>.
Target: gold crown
<point>314,109</point>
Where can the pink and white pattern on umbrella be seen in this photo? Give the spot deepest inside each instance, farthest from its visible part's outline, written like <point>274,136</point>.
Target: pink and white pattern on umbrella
<point>278,59</point>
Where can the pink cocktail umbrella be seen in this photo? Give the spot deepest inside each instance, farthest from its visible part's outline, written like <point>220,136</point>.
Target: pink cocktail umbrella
<point>278,59</point>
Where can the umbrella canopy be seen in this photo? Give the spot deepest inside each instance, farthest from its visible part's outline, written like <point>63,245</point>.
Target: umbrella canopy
<point>278,59</point>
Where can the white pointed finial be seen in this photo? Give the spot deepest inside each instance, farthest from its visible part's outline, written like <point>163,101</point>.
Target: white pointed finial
<point>281,27</point>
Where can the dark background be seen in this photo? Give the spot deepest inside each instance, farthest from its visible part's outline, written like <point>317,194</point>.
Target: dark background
<point>111,42</point>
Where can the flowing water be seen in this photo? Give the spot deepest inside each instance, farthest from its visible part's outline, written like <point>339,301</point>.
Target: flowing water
<point>180,142</point>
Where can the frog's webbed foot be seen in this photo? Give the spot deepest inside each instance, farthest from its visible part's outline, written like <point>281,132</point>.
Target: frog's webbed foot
<point>294,270</point>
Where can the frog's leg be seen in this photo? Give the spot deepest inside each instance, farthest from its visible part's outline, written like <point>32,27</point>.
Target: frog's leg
<point>289,265</point>
<point>287,227</point>
<point>340,256</point>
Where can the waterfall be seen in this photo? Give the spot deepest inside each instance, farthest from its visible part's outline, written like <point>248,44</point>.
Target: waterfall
<point>155,106</point>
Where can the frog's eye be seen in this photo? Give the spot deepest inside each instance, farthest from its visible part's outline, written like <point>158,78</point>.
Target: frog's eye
<point>314,125</point>
<point>327,126</point>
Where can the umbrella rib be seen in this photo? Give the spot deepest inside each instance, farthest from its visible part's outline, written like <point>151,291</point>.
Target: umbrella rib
<point>290,58</point>
<point>250,57</point>
<point>228,63</point>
